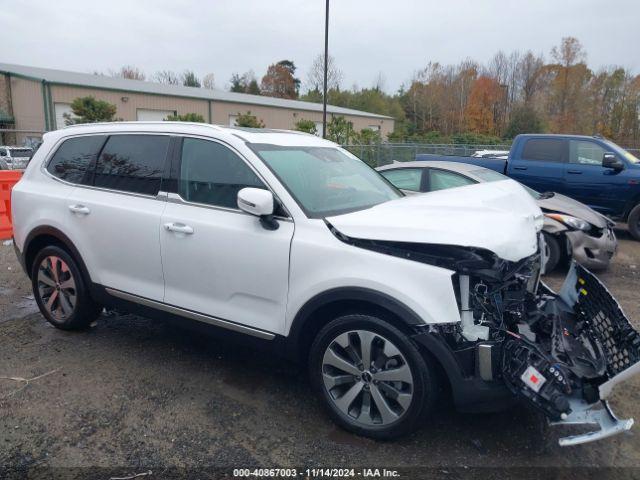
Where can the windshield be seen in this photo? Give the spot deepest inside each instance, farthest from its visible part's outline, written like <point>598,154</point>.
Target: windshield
<point>487,175</point>
<point>630,157</point>
<point>326,181</point>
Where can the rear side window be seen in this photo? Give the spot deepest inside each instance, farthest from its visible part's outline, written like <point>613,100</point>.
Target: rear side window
<point>72,161</point>
<point>404,178</point>
<point>132,163</point>
<point>544,150</point>
<point>212,174</point>
<point>443,180</point>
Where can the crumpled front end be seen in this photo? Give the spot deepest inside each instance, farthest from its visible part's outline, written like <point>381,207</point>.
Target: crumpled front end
<point>563,353</point>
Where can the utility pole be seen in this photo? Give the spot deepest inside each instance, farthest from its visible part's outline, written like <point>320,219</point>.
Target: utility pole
<point>326,66</point>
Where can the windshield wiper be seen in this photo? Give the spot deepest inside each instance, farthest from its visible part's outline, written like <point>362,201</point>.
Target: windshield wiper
<point>545,195</point>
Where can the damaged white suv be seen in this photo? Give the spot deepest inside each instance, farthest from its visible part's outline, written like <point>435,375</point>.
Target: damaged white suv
<point>292,242</point>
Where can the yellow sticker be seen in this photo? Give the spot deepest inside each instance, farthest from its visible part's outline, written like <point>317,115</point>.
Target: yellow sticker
<point>581,281</point>
<point>583,291</point>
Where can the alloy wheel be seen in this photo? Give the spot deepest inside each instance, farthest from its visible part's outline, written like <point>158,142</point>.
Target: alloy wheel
<point>57,288</point>
<point>367,378</point>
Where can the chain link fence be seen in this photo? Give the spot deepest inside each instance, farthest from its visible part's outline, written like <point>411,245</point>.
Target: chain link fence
<point>380,154</point>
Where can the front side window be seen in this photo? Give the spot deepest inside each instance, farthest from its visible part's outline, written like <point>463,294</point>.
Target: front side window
<point>586,153</point>
<point>74,157</point>
<point>404,178</point>
<point>132,163</point>
<point>443,180</point>
<point>544,150</point>
<point>326,181</point>
<point>212,174</point>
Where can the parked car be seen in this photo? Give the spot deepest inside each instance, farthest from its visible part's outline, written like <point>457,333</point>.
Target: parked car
<point>287,241</point>
<point>571,229</point>
<point>592,170</point>
<point>14,158</point>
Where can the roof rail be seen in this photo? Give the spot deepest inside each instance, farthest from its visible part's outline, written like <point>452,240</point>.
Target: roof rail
<point>145,122</point>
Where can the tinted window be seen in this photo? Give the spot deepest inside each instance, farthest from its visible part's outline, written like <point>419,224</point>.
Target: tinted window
<point>132,163</point>
<point>586,153</point>
<point>544,149</point>
<point>405,178</point>
<point>210,173</point>
<point>442,180</point>
<point>73,158</point>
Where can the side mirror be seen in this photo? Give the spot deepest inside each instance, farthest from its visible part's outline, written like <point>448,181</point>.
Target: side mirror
<point>609,160</point>
<point>258,202</point>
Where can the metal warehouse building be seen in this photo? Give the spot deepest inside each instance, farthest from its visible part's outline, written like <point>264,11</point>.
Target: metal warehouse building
<point>34,100</point>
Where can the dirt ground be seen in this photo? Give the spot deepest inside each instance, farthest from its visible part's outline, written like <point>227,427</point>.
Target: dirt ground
<point>132,395</point>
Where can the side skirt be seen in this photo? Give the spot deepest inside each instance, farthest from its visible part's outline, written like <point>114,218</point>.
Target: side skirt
<point>182,318</point>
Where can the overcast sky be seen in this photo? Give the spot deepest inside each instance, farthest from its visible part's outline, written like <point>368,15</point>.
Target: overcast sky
<point>395,37</point>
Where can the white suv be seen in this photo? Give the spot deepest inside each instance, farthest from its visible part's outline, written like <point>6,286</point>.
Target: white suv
<point>294,243</point>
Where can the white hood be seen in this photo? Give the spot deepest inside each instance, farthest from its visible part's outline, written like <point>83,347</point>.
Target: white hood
<point>498,216</point>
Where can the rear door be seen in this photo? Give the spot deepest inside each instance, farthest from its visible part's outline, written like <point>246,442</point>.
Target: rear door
<point>218,260</point>
<point>116,217</point>
<point>539,163</point>
<point>410,179</point>
<point>443,180</point>
<point>603,189</point>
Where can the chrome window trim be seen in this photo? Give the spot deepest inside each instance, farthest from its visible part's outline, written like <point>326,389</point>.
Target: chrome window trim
<point>201,317</point>
<point>177,199</point>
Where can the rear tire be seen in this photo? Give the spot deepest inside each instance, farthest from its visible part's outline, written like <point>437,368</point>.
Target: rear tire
<point>554,252</point>
<point>60,291</point>
<point>389,397</point>
<point>634,222</point>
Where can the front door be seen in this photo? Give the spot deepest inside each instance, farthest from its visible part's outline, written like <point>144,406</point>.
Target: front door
<point>603,189</point>
<point>218,260</point>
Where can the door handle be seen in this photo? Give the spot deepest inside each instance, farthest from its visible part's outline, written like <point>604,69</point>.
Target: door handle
<point>574,172</point>
<point>79,209</point>
<point>178,228</point>
<point>520,168</point>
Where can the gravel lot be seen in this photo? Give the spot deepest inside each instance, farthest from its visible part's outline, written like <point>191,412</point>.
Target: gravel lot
<point>132,395</point>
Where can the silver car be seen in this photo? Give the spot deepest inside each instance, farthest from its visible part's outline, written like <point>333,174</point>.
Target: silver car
<point>15,158</point>
<point>571,229</point>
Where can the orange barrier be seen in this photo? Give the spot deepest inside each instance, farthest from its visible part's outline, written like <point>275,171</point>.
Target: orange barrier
<point>8,178</point>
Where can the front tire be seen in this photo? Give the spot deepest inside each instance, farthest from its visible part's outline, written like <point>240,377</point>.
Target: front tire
<point>371,377</point>
<point>553,252</point>
<point>60,290</point>
<point>634,222</point>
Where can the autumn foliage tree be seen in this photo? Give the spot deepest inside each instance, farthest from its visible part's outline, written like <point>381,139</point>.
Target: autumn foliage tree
<point>279,81</point>
<point>483,106</point>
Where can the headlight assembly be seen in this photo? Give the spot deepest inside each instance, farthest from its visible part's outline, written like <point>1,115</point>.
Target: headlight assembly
<point>571,222</point>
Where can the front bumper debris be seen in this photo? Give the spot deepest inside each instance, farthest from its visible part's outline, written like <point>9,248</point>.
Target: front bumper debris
<point>593,252</point>
<point>620,342</point>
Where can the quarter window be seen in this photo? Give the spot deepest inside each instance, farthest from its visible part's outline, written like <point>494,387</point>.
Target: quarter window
<point>404,178</point>
<point>132,163</point>
<point>544,150</point>
<point>212,174</point>
<point>73,159</point>
<point>586,153</point>
<point>442,180</point>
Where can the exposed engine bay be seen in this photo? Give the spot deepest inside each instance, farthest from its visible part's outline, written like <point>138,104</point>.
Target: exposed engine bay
<point>557,351</point>
<point>562,352</point>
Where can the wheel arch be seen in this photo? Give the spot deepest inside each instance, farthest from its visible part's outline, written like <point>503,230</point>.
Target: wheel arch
<point>44,236</point>
<point>326,306</point>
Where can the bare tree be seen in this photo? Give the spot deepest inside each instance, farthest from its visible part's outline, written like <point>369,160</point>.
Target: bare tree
<point>315,77</point>
<point>130,72</point>
<point>530,75</point>
<point>209,81</point>
<point>166,77</point>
